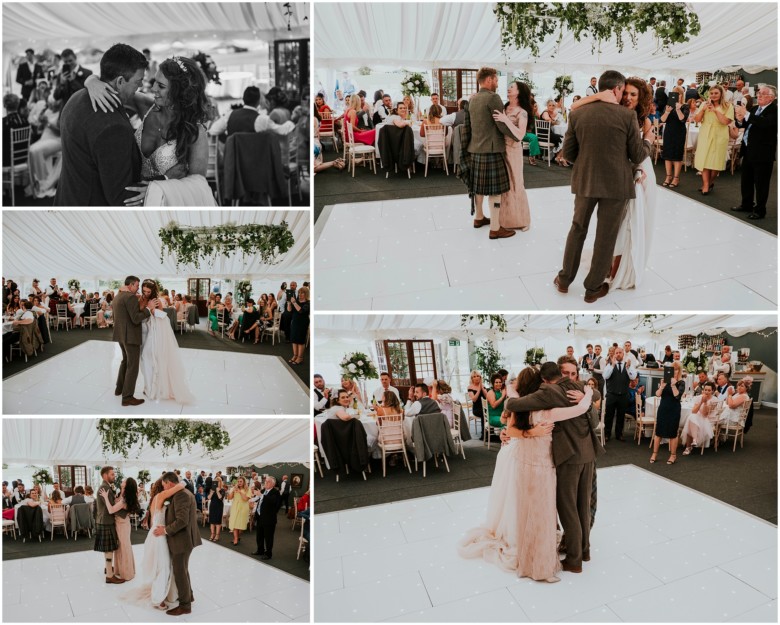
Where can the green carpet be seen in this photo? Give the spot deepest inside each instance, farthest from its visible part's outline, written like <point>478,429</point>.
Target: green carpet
<point>197,339</point>
<point>746,479</point>
<point>334,187</point>
<point>285,546</point>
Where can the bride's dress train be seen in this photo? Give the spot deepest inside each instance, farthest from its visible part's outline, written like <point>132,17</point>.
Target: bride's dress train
<point>156,572</point>
<point>164,376</point>
<point>636,232</point>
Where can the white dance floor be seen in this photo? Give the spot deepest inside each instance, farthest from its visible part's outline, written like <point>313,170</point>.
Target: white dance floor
<point>660,553</point>
<point>228,588</point>
<point>424,254</point>
<point>82,380</point>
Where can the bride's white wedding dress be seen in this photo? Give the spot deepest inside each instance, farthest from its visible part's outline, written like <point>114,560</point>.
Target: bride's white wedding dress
<point>636,232</point>
<point>158,583</point>
<point>161,365</point>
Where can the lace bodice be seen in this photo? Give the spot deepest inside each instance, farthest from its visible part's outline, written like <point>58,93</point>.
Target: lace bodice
<point>161,160</point>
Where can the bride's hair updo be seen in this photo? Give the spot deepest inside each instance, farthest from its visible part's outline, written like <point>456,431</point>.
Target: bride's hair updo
<point>151,284</point>
<point>187,99</point>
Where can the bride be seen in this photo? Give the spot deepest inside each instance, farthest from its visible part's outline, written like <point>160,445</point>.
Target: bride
<point>159,585</point>
<point>519,534</point>
<point>164,376</point>
<point>172,136</point>
<point>634,239</point>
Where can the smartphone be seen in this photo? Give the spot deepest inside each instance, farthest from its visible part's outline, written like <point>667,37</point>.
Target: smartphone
<point>673,99</point>
<point>668,373</point>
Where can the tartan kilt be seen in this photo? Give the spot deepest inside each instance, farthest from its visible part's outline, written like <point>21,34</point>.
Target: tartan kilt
<point>106,539</point>
<point>489,175</point>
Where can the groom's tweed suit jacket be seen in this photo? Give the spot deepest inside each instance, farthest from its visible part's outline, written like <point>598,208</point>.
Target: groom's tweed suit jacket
<point>99,155</point>
<point>603,140</point>
<point>181,522</point>
<point>572,439</point>
<point>487,135</point>
<point>127,318</point>
<point>102,516</point>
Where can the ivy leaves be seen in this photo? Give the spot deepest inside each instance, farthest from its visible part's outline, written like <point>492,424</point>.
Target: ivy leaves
<point>192,246</point>
<point>524,26</point>
<point>118,436</point>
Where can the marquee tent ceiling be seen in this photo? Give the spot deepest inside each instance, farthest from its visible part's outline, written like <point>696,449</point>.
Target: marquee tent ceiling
<point>26,22</point>
<point>425,35</point>
<point>535,326</point>
<point>113,244</point>
<point>252,441</point>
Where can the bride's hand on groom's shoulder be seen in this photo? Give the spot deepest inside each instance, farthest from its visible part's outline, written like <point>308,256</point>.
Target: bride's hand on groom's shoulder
<point>102,95</point>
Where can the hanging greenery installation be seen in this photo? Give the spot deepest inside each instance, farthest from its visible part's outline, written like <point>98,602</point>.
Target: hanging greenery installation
<point>525,26</point>
<point>119,436</point>
<point>191,246</point>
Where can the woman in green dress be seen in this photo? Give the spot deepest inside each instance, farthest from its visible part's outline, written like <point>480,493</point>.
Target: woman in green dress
<point>496,397</point>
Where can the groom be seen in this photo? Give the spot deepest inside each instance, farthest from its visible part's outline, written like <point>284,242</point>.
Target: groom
<point>602,141</point>
<point>127,332</point>
<point>181,530</point>
<point>99,153</point>
<point>575,448</point>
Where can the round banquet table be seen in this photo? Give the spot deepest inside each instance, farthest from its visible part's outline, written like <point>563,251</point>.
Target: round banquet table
<point>686,406</point>
<point>78,308</point>
<point>8,326</point>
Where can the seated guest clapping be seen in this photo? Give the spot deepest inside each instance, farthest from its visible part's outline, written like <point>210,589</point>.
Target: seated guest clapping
<point>734,403</point>
<point>722,386</point>
<point>399,116</point>
<point>698,428</point>
<point>419,402</point>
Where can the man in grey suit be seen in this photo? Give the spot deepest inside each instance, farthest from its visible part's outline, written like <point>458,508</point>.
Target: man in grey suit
<point>487,149</point>
<point>574,447</point>
<point>603,141</point>
<point>181,530</point>
<point>128,316</point>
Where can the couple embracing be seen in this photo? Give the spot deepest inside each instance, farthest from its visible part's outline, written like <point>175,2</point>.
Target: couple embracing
<point>173,534</point>
<point>105,162</point>
<point>546,468</point>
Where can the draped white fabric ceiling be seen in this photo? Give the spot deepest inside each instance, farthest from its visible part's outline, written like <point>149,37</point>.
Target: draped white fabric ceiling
<point>426,35</point>
<point>360,327</point>
<point>59,441</point>
<point>113,244</point>
<point>27,22</point>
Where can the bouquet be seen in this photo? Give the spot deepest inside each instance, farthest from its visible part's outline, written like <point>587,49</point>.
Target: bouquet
<point>415,85</point>
<point>357,365</point>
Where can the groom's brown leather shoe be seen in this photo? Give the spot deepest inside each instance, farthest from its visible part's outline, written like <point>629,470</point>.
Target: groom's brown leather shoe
<point>115,580</point>
<point>571,569</point>
<point>603,290</point>
<point>485,221</point>
<point>118,392</point>
<point>561,289</point>
<point>502,233</point>
<point>132,402</point>
<point>178,611</point>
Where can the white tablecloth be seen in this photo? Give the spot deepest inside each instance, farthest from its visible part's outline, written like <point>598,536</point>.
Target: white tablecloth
<point>7,326</point>
<point>560,129</point>
<point>419,154</point>
<point>78,308</point>
<point>686,406</point>
<point>44,508</point>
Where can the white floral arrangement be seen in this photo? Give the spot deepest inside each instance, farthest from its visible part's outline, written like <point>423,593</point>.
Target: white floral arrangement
<point>357,365</point>
<point>414,84</point>
<point>563,86</point>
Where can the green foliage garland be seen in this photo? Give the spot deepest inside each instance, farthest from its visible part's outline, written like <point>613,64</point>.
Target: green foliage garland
<point>191,246</point>
<point>524,26</point>
<point>118,436</point>
<point>499,321</point>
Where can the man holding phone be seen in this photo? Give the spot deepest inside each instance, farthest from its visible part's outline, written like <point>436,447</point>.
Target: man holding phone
<point>71,78</point>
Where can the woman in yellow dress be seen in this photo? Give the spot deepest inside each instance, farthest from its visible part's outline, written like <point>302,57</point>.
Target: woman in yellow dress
<point>239,511</point>
<point>715,115</point>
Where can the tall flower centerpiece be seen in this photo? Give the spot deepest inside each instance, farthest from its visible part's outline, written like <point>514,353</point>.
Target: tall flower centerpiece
<point>357,366</point>
<point>415,85</point>
<point>244,291</point>
<point>563,87</point>
<point>42,476</point>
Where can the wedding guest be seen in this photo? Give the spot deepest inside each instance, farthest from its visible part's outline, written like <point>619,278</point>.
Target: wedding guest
<point>299,325</point>
<point>28,73</point>
<point>592,88</point>
<point>341,409</point>
<point>496,398</point>
<point>668,414</point>
<point>390,404</point>
<point>248,323</point>
<point>239,511</point>
<point>440,393</point>
<point>477,392</point>
<point>458,118</point>
<point>434,118</point>
<point>409,103</point>
<point>351,117</point>
<point>733,403</point>
<point>72,77</point>
<point>278,103</point>
<point>215,307</point>
<point>286,318</point>
<point>383,109</point>
<point>550,114</point>
<point>12,120</point>
<point>45,173</point>
<point>668,356</point>
<point>715,116</point>
<point>587,358</point>
<point>722,386</point>
<point>266,514</point>
<point>216,499</point>
<point>698,428</point>
<point>126,504</point>
<point>673,150</point>
<point>617,374</point>
<point>592,383</point>
<point>419,402</point>
<point>698,384</point>
<point>399,116</point>
<point>54,499</point>
<point>321,395</point>
<point>354,392</point>
<point>386,382</point>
